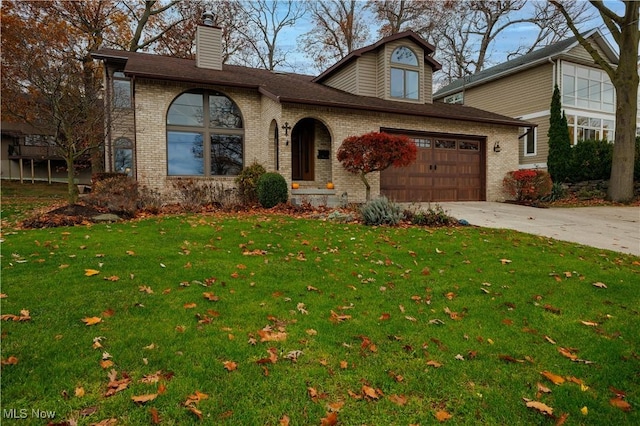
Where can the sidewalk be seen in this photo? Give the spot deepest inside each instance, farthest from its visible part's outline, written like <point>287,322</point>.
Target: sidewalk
<point>611,228</point>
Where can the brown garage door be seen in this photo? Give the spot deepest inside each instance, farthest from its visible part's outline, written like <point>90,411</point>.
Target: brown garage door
<point>447,169</point>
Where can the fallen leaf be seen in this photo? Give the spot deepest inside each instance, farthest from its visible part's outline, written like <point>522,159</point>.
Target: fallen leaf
<point>567,353</point>
<point>330,419</point>
<point>589,323</point>
<point>620,403</point>
<point>384,317</point>
<point>189,305</point>
<point>541,407</point>
<point>112,278</point>
<point>338,318</point>
<point>284,420</point>
<point>505,261</point>
<point>370,392</point>
<point>600,285</point>
<point>106,363</point>
<point>141,399</point>
<point>554,378</point>
<point>210,296</point>
<point>79,392</point>
<point>91,272</point>
<point>12,360</point>
<point>398,399</point>
<point>442,416</point>
<point>584,410</point>
<point>91,320</point>
<point>155,417</point>
<point>195,411</point>
<point>434,364</point>
<point>335,406</point>
<point>230,365</point>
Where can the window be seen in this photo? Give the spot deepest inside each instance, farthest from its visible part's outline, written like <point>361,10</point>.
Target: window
<point>587,88</point>
<point>422,142</point>
<point>405,75</point>
<point>584,128</point>
<point>457,98</point>
<point>121,90</point>
<point>205,136</point>
<point>123,156</point>
<point>529,140</point>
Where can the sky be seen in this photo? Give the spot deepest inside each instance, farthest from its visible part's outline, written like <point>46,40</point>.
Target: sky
<point>507,41</point>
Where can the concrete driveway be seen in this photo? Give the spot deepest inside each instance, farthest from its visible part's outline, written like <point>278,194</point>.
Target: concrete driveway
<point>611,228</point>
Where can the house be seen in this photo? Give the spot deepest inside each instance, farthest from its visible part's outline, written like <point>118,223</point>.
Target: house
<point>173,118</point>
<point>28,154</point>
<point>522,88</point>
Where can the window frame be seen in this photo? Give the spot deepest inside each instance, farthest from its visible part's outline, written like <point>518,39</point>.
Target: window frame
<point>209,134</point>
<point>120,78</point>
<point>587,88</point>
<point>407,71</point>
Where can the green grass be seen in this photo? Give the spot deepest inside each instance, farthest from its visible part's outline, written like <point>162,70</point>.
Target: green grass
<point>413,275</point>
<point>20,199</point>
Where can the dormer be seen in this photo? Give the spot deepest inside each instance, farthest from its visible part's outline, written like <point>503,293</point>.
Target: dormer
<point>398,68</point>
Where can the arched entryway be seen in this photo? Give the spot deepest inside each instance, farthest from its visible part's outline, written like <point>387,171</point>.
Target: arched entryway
<point>310,151</point>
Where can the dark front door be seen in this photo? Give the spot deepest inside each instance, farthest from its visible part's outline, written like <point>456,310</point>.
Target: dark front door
<point>302,148</point>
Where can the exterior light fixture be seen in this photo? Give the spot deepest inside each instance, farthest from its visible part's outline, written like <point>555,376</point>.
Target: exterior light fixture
<point>496,147</point>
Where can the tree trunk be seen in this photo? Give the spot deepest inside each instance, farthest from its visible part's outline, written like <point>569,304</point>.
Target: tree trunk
<point>72,192</point>
<point>363,176</point>
<point>626,84</point>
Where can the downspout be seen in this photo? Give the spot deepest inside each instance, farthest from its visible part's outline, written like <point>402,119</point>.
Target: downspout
<point>108,124</point>
<point>135,127</point>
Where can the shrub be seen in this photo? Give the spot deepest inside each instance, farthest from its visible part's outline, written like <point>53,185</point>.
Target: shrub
<point>381,211</point>
<point>247,182</point>
<point>150,200</point>
<point>432,217</point>
<point>272,190</point>
<point>557,193</point>
<point>116,192</point>
<point>591,160</point>
<point>527,185</point>
<point>194,194</point>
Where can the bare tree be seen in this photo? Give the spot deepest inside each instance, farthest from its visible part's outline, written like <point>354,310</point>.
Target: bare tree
<point>400,15</point>
<point>264,22</point>
<point>179,40</point>
<point>465,32</point>
<point>339,27</point>
<point>626,33</point>
<point>149,22</point>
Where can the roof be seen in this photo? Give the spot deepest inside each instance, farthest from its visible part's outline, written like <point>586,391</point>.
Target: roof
<point>527,61</point>
<point>287,87</point>
<point>428,50</point>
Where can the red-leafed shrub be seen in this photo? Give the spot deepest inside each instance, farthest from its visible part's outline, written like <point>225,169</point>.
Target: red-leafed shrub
<point>527,185</point>
<point>374,152</point>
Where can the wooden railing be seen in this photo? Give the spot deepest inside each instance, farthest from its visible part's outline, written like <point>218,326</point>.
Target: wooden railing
<point>33,151</point>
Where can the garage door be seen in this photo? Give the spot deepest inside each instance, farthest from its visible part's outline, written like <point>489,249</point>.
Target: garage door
<point>446,169</point>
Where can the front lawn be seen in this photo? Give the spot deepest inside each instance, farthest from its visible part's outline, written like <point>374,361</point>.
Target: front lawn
<point>267,320</point>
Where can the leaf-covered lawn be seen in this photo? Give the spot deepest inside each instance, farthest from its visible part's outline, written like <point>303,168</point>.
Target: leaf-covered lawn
<point>276,320</point>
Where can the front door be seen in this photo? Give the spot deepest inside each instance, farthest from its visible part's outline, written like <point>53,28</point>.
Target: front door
<point>302,149</point>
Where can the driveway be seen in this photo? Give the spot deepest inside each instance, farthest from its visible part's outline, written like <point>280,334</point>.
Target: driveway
<point>611,228</point>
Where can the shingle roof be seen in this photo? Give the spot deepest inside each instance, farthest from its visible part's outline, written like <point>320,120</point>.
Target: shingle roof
<point>288,87</point>
<point>521,62</point>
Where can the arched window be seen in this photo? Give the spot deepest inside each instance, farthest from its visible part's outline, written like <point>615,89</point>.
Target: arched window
<point>205,135</point>
<point>405,75</point>
<point>123,156</point>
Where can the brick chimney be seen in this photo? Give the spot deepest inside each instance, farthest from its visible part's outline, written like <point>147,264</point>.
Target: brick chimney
<point>208,44</point>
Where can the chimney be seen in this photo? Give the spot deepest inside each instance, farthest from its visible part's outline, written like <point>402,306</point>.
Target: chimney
<point>208,43</point>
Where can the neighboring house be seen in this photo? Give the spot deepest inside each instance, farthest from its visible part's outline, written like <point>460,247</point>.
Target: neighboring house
<point>27,154</point>
<point>523,87</point>
<point>180,118</point>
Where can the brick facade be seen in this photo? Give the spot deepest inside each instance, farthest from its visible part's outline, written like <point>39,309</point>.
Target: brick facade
<point>260,116</point>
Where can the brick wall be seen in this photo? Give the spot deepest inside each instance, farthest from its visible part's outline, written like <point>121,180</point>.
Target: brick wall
<point>332,127</point>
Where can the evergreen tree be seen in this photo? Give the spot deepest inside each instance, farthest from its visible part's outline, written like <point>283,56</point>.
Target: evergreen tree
<point>559,143</point>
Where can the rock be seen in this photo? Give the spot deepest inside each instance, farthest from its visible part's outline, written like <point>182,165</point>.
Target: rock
<point>106,217</point>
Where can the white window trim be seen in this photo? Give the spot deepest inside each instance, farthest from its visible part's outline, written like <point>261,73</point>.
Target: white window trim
<point>535,144</point>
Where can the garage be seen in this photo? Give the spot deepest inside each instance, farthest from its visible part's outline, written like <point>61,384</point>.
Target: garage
<point>447,168</point>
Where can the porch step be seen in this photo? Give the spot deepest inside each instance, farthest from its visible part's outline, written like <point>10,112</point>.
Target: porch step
<point>318,197</point>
